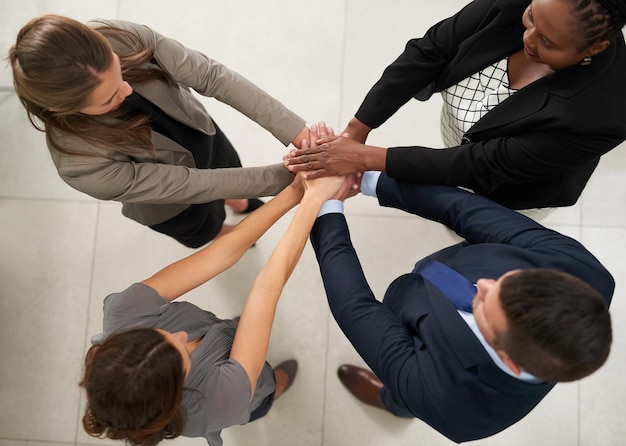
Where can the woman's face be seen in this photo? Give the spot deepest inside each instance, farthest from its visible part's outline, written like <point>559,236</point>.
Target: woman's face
<point>551,36</point>
<point>110,93</point>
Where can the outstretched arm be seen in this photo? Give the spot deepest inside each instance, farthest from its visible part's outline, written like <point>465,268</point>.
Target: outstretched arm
<point>481,221</point>
<point>191,272</point>
<point>376,333</point>
<point>253,332</point>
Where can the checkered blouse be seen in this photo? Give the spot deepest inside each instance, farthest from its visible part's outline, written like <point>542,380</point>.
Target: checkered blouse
<point>469,100</point>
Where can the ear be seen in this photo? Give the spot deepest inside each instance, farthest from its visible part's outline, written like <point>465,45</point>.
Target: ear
<point>597,48</point>
<point>512,365</point>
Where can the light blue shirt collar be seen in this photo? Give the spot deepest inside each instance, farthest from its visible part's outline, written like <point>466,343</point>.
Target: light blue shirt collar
<point>471,323</point>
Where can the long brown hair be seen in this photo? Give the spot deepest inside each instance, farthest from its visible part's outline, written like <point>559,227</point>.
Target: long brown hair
<point>57,62</point>
<point>134,384</point>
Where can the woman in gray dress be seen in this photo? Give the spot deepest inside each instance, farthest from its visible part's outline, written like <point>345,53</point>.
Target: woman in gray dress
<point>161,369</point>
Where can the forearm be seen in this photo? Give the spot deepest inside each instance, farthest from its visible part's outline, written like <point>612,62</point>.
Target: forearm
<point>501,161</point>
<point>466,213</point>
<point>158,183</point>
<point>253,332</point>
<point>370,326</point>
<point>223,252</point>
<point>193,69</point>
<point>374,158</point>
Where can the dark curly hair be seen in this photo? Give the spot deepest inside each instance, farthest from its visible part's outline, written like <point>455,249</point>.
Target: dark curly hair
<point>134,385</point>
<point>598,20</point>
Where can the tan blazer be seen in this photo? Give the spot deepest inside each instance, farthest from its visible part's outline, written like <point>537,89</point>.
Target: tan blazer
<point>154,191</point>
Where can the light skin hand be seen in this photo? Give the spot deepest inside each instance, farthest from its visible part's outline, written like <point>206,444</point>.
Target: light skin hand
<point>251,340</point>
<point>302,135</point>
<point>323,188</point>
<point>350,187</point>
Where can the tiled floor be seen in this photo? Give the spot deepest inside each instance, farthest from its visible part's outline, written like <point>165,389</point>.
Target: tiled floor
<point>62,252</point>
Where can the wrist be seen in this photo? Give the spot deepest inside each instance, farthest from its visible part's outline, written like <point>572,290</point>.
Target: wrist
<point>373,158</point>
<point>295,191</point>
<point>302,134</point>
<point>314,198</point>
<point>357,130</point>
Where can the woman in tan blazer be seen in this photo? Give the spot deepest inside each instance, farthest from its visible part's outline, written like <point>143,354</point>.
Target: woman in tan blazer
<point>121,123</point>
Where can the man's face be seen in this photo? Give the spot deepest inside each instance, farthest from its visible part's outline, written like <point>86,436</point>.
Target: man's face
<point>490,317</point>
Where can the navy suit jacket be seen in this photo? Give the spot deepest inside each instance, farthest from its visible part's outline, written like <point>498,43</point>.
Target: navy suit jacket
<point>415,341</point>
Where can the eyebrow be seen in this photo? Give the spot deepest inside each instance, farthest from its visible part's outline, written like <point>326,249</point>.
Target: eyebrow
<point>116,90</point>
<point>114,94</point>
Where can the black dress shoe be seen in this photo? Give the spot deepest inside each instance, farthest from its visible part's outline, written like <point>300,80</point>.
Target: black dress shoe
<point>363,384</point>
<point>290,367</point>
<point>253,205</point>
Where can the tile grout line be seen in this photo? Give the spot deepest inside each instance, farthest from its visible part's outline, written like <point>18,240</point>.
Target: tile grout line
<point>85,333</point>
<point>326,360</point>
<point>329,318</point>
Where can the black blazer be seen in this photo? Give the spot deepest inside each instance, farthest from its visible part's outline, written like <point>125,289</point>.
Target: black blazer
<point>540,146</point>
<point>415,341</point>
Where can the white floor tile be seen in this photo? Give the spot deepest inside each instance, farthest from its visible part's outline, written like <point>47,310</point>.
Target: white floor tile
<point>602,395</point>
<point>26,170</point>
<point>45,274</point>
<point>320,60</point>
<point>604,197</point>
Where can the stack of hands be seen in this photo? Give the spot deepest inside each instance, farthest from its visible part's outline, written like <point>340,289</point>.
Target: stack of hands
<point>311,167</point>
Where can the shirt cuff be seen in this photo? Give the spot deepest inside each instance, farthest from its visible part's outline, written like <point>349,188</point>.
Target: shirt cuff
<point>331,207</point>
<point>369,181</point>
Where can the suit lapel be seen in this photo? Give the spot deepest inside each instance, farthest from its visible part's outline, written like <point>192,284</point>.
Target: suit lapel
<point>178,103</point>
<point>500,41</point>
<point>470,352</point>
<point>552,90</point>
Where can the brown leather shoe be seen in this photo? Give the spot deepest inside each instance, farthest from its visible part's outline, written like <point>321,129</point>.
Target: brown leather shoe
<point>363,384</point>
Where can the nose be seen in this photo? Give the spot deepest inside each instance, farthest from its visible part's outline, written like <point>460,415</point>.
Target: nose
<point>483,286</point>
<point>529,38</point>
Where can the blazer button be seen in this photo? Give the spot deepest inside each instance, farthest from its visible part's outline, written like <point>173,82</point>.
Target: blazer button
<point>465,140</point>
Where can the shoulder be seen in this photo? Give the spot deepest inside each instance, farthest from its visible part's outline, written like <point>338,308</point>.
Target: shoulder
<point>220,399</point>
<point>120,24</point>
<point>135,30</point>
<point>133,307</point>
<point>136,296</point>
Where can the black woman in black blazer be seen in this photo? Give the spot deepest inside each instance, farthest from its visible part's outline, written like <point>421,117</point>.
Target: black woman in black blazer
<point>537,148</point>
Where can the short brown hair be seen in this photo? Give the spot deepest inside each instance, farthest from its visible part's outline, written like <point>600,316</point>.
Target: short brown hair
<point>559,328</point>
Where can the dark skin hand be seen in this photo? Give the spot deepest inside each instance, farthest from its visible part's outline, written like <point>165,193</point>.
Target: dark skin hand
<point>336,155</point>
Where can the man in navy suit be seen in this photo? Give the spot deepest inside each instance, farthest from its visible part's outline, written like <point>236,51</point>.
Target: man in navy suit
<point>535,312</point>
